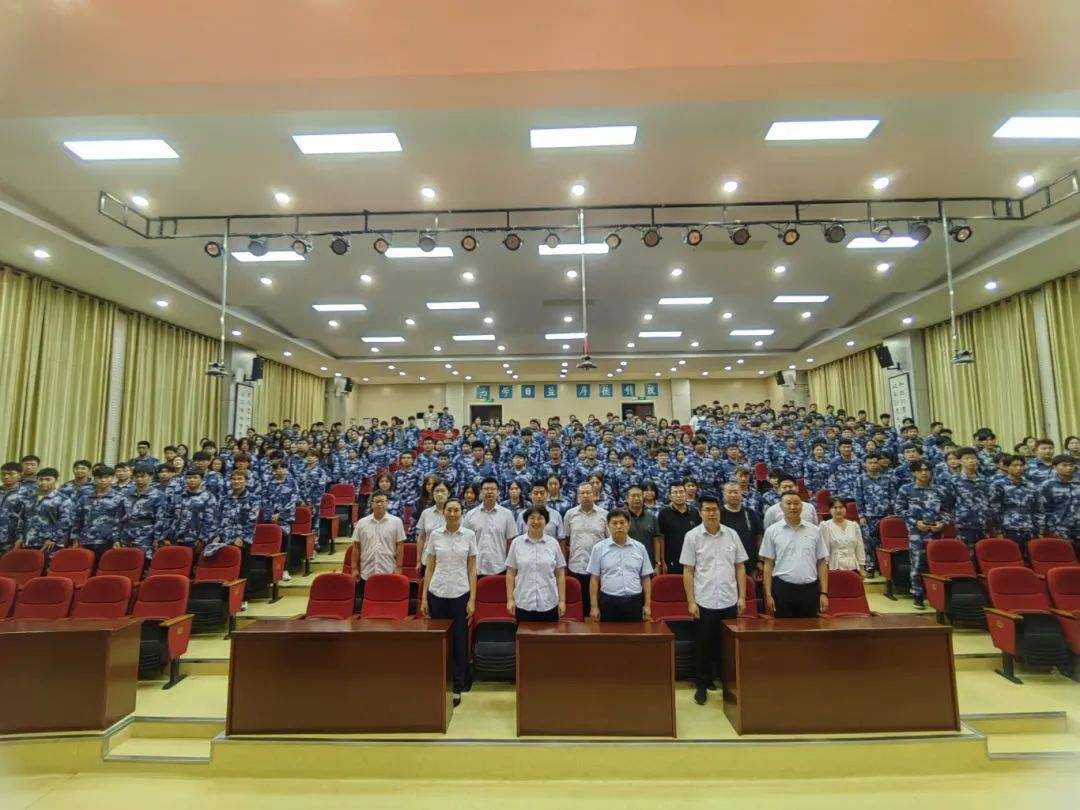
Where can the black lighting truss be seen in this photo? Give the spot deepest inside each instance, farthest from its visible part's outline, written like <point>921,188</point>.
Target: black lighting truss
<point>602,218</point>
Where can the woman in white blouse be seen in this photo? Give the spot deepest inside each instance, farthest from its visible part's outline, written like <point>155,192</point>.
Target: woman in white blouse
<point>535,572</point>
<point>432,517</point>
<point>449,590</point>
<point>844,540</point>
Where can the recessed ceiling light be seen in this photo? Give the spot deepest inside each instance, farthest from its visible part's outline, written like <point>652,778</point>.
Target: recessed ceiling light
<point>339,307</point>
<point>676,272</point>
<point>514,377</point>
<point>821,130</point>
<point>281,198</point>
<point>751,332</point>
<point>500,348</point>
<point>619,371</point>
<point>881,183</point>
<point>422,379</point>
<point>401,373</point>
<point>672,369</point>
<point>287,354</point>
<point>566,335</point>
<point>436,348</point>
<point>659,334</point>
<point>577,189</point>
<point>573,249</point>
<point>468,376</point>
<point>571,273</point>
<point>656,374</point>
<point>237,333</point>
<point>41,253</point>
<point>161,302</point>
<point>568,137</point>
<point>564,363</point>
<point>428,193</point>
<point>731,186</point>
<point>269,256</point>
<point>727,368</point>
<point>647,316</point>
<point>333,324</point>
<point>468,275</point>
<point>809,359</point>
<point>266,281</point>
<point>780,269</point>
<point>990,285</point>
<point>740,361</point>
<point>761,371</point>
<point>1040,127</point>
<point>392,367</point>
<point>566,346</point>
<point>410,322</point>
<point>800,299</point>
<point>323,368</point>
<point>870,242</point>
<point>375,349</point>
<point>907,321</point>
<point>807,315</point>
<point>347,143</point>
<point>792,367</point>
<point>140,201</point>
<point>622,362</point>
<point>568,319</point>
<point>383,339</point>
<point>726,316</point>
<point>455,372</point>
<point>364,277</point>
<point>630,345</point>
<point>472,338</point>
<point>686,302</point>
<point>850,343</point>
<point>694,344</point>
<point>610,375</point>
<point>363,379</point>
<point>1026,181</point>
<point>506,365</point>
<point>489,320</point>
<point>704,374</point>
<point>883,267</point>
<point>759,343</point>
<point>453,305</point>
<point>682,362</point>
<point>136,149</point>
<point>437,252</point>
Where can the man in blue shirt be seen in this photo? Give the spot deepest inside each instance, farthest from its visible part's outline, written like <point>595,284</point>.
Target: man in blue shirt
<point>620,583</point>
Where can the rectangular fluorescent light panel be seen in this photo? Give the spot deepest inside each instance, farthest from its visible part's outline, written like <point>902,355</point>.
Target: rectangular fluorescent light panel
<point>453,305</point>
<point>348,143</point>
<point>821,130</point>
<point>1040,127</point>
<point>571,249</point>
<point>269,256</point>
<point>659,334</point>
<point>751,332</point>
<point>339,307</point>
<point>468,338</point>
<point>137,149</point>
<point>869,243</point>
<point>393,339</point>
<point>800,299</point>
<point>566,335</point>
<point>567,137</point>
<point>438,252</point>
<point>685,302</point>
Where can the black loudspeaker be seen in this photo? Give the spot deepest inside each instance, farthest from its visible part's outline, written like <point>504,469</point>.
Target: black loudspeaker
<point>884,356</point>
<point>257,369</point>
<point>779,377</point>
<point>348,384</point>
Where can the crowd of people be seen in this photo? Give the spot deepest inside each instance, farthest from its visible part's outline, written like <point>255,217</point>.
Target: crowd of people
<point>613,501</point>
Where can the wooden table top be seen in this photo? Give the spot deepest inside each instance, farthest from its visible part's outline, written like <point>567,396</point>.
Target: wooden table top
<point>66,625</point>
<point>621,630</point>
<point>317,627</point>
<point>886,623</point>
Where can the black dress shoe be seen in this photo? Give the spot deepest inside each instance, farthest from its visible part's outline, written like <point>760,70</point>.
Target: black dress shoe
<point>712,687</point>
<point>457,699</point>
<point>700,696</point>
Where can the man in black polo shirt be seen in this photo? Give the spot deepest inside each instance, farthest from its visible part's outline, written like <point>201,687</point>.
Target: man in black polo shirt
<point>745,522</point>
<point>674,522</point>
<point>643,524</point>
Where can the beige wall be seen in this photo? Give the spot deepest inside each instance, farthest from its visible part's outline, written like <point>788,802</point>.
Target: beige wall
<point>727,392</point>
<point>384,401</point>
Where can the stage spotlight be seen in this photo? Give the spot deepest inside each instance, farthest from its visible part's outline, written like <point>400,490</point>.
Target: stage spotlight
<point>612,240</point>
<point>834,232</point>
<point>739,234</point>
<point>426,242</point>
<point>919,231</point>
<point>340,245</point>
<point>961,233</point>
<point>213,249</point>
<point>301,246</point>
<point>258,246</point>
<point>512,241</point>
<point>468,243</point>
<point>381,245</point>
<point>694,237</point>
<point>552,240</point>
<point>651,238</point>
<point>789,235</point>
<point>882,232</point>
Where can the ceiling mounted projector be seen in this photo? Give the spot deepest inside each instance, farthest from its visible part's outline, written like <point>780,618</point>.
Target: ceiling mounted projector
<point>586,363</point>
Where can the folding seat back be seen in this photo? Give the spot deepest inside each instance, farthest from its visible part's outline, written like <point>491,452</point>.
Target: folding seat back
<point>367,486</point>
<point>175,560</point>
<point>346,564</point>
<point>821,501</point>
<point>332,596</point>
<point>302,540</point>
<point>1021,623</point>
<point>266,566</point>
<point>1064,585</point>
<point>491,600</point>
<point>343,493</point>
<point>893,555</point>
<point>751,611</point>
<point>997,552</point>
<point>952,588</point>
<point>386,596</point>
<point>847,597</point>
<point>105,596</point>
<point>45,598</point>
<point>7,596</point>
<point>494,633</point>
<point>852,512</point>
<point>223,566</point>
<point>346,507</point>
<point>22,565</point>
<point>302,521</point>
<point>75,564</point>
<point>327,506</point>
<point>668,598</point>
<point>267,539</point>
<point>894,533</point>
<point>161,602</point>
<point>949,558</point>
<point>1017,589</point>
<point>804,493</point>
<point>217,592</point>
<point>407,517</point>
<point>575,605</point>
<point>161,597</point>
<point>1047,553</point>
<point>761,472</point>
<point>124,562</point>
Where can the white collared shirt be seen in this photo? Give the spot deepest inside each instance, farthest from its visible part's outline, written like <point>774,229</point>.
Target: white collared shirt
<point>378,541</point>
<point>535,563</point>
<point>794,551</point>
<point>584,530</point>
<point>775,514</point>
<point>714,557</point>
<point>494,530</point>
<point>620,566</point>
<point>451,551</point>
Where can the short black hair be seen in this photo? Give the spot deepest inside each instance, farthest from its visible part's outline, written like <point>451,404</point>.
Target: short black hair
<point>534,510</point>
<point>614,513</point>
<point>708,497</point>
<point>490,480</point>
<point>103,471</point>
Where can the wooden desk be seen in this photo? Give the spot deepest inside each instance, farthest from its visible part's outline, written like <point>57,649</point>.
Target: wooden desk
<point>324,676</point>
<point>596,679</point>
<point>67,675</point>
<point>850,674</point>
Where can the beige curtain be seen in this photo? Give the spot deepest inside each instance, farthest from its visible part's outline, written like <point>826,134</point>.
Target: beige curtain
<point>288,393</point>
<point>1063,320</point>
<point>1000,390</point>
<point>853,383</point>
<point>168,398</point>
<point>55,370</point>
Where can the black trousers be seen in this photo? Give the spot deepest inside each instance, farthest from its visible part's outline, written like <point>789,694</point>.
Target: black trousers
<point>795,601</point>
<point>708,627</point>
<point>621,608</point>
<point>537,615</point>
<point>673,567</point>
<point>586,599</point>
<point>454,609</point>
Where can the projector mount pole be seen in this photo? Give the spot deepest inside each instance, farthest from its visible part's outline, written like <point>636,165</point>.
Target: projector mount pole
<point>224,290</point>
<point>949,283</point>
<point>584,313</point>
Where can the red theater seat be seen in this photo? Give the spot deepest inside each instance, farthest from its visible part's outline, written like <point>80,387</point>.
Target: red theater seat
<point>332,596</point>
<point>124,562</point>
<point>575,605</point>
<point>386,596</point>
<point>1064,585</point>
<point>217,592</point>
<point>45,598</point>
<point>894,555</point>
<point>106,596</point>
<point>997,552</point>
<point>952,588</point>
<point>348,510</point>
<point>1021,623</point>
<point>22,565</point>
<point>7,596</point>
<point>76,564</point>
<point>751,611</point>
<point>821,503</point>
<point>1047,553</point>
<point>266,568</point>
<point>847,597</point>
<point>329,524</point>
<point>493,633</point>
<point>302,541</point>
<point>161,603</point>
<point>669,606</point>
<point>174,560</point>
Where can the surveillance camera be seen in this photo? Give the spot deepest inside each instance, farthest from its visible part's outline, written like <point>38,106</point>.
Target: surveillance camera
<point>963,358</point>
<point>586,363</point>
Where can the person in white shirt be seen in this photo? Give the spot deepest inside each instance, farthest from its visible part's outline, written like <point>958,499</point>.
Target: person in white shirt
<point>844,540</point>
<point>377,540</point>
<point>796,574</point>
<point>775,513</point>
<point>431,518</point>
<point>538,494</point>
<point>494,528</point>
<point>583,527</point>
<point>714,577</point>
<point>620,584</point>
<point>431,419</point>
<point>449,590</point>
<point>535,572</point>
